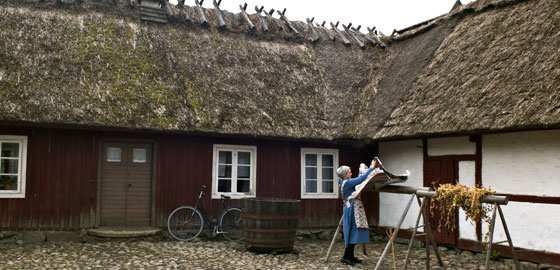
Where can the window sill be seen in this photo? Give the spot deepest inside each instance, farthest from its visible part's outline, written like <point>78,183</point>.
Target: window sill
<point>234,196</point>
<point>12,195</point>
<point>319,196</point>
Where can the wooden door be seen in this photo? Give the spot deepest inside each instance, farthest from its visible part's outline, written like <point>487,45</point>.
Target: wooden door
<point>126,186</point>
<point>113,184</point>
<point>436,172</point>
<point>139,192</point>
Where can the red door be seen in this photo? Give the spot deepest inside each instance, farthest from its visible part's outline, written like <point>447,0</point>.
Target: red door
<point>439,171</point>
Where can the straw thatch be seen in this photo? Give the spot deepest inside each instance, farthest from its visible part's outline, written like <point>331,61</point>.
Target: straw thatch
<point>497,70</point>
<point>489,65</point>
<point>77,67</point>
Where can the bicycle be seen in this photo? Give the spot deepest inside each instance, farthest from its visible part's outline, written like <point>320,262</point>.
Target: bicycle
<point>185,223</point>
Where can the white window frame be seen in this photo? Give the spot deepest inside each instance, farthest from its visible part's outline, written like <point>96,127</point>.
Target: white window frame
<point>252,179</point>
<point>319,194</point>
<point>22,141</point>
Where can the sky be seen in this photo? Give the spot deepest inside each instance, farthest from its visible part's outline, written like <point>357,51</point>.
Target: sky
<point>386,15</point>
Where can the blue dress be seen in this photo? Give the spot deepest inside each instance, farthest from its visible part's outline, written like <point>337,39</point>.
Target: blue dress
<point>352,234</point>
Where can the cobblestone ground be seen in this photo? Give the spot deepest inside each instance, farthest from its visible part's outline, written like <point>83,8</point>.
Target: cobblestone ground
<point>147,254</point>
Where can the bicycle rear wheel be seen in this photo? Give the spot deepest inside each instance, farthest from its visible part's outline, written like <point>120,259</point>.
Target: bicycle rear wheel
<point>185,223</point>
<point>229,224</point>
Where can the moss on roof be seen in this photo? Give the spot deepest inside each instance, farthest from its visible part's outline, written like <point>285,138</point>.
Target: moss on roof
<point>489,65</point>
<point>63,66</point>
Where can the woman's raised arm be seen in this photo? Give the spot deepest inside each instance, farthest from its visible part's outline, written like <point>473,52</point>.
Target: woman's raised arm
<point>352,182</point>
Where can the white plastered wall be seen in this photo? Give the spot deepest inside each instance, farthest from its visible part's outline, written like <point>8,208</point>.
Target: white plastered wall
<point>533,226</point>
<point>522,162</point>
<point>397,157</point>
<point>451,146</point>
<point>525,163</point>
<point>467,176</point>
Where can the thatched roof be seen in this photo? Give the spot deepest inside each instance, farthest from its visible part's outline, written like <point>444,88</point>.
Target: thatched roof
<point>498,69</point>
<point>97,65</point>
<point>75,66</point>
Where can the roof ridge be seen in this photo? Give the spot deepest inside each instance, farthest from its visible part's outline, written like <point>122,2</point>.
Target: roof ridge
<point>260,25</point>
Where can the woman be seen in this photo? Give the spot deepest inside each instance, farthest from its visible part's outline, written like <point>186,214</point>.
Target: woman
<point>354,225</point>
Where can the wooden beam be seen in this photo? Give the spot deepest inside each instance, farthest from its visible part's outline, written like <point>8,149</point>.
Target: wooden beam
<point>531,198</point>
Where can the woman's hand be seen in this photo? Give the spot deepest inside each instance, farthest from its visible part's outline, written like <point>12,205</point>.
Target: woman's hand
<point>375,163</point>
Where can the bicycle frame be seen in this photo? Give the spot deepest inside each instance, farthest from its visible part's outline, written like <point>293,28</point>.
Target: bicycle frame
<point>214,225</point>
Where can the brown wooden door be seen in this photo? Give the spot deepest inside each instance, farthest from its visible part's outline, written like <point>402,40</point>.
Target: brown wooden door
<point>126,186</point>
<point>436,172</point>
<point>139,192</point>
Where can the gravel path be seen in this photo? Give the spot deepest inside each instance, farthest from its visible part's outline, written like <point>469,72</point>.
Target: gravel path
<point>142,254</point>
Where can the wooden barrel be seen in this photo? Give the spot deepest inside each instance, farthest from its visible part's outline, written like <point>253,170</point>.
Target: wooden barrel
<point>269,225</point>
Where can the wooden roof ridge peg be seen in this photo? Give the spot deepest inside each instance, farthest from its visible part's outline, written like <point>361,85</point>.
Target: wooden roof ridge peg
<point>248,21</point>
<point>221,22</point>
<point>286,21</point>
<point>340,34</point>
<point>201,16</point>
<point>329,34</point>
<point>395,34</point>
<point>269,14</point>
<point>313,36</point>
<point>181,11</point>
<point>357,32</point>
<point>171,12</point>
<point>350,32</point>
<point>456,7</point>
<point>264,23</point>
<point>372,33</point>
<point>356,29</point>
<point>369,38</point>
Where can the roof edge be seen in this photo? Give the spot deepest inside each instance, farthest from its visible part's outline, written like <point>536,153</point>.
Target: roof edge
<point>476,7</point>
<point>480,131</point>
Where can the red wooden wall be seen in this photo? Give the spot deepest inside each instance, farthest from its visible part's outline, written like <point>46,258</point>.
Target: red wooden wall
<point>185,163</point>
<point>61,181</point>
<point>62,176</point>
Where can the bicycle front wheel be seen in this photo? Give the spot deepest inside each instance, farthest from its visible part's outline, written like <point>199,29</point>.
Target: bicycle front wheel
<point>185,223</point>
<point>229,224</point>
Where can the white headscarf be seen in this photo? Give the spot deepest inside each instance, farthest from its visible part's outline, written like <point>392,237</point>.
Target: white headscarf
<point>342,171</point>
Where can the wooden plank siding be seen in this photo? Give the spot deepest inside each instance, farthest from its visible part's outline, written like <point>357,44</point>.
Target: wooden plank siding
<point>185,163</point>
<point>63,176</point>
<point>60,182</point>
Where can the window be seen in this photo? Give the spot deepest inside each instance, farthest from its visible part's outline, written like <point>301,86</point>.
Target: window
<point>114,154</point>
<point>234,171</point>
<point>13,157</point>
<point>318,170</point>
<point>139,155</point>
